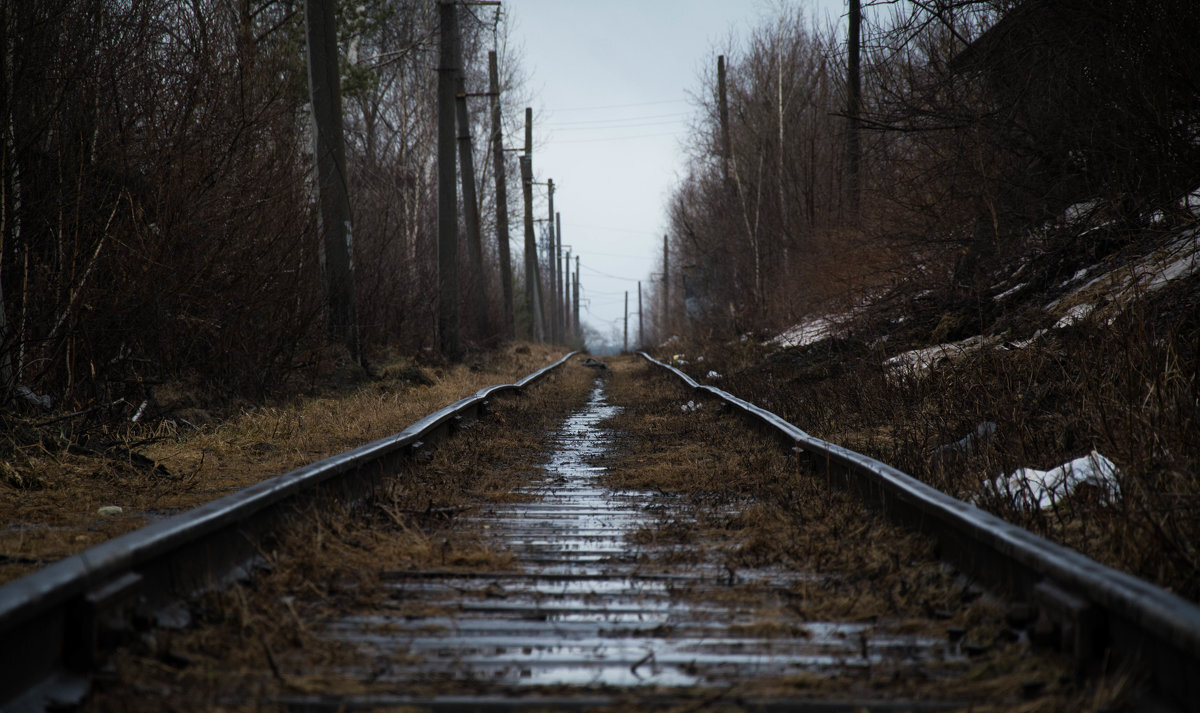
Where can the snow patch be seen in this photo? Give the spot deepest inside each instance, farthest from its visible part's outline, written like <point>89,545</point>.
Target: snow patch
<point>712,375</point>
<point>918,360</point>
<point>983,432</point>
<point>1185,264</point>
<point>1009,292</point>
<point>1191,202</point>
<point>1080,211</point>
<point>1029,488</point>
<point>1073,315</point>
<point>809,331</point>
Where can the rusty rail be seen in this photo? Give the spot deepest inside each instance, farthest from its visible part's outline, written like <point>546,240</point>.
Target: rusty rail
<point>1100,614</point>
<point>55,622</point>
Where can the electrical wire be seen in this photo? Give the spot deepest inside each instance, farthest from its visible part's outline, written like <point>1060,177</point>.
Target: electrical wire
<point>615,138</point>
<point>621,119</point>
<point>624,106</point>
<point>605,274</point>
<point>671,122</point>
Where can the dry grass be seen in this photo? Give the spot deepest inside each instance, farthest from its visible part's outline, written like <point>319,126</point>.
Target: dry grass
<point>50,495</point>
<point>257,641</point>
<point>759,510</point>
<point>1125,384</point>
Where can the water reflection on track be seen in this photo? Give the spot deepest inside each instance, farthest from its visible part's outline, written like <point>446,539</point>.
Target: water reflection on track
<point>590,608</point>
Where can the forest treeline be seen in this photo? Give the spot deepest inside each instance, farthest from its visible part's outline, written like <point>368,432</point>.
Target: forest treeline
<point>158,214</point>
<point>978,121</point>
<point>157,205</point>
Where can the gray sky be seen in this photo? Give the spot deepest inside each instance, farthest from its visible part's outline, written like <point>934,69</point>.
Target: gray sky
<point>611,80</point>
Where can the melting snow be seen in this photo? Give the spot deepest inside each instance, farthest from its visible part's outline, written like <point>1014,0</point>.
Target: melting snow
<point>1191,202</point>
<point>712,375</point>
<point>919,360</point>
<point>1009,291</point>
<point>810,331</point>
<point>1073,315</point>
<point>1029,488</point>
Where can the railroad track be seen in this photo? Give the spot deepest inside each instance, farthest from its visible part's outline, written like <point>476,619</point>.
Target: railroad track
<point>622,583</point>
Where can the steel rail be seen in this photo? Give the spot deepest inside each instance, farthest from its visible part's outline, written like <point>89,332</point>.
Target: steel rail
<point>55,622</point>
<point>1100,614</point>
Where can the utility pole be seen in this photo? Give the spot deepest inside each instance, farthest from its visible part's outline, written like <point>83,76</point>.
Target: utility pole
<point>723,113</point>
<point>854,92</point>
<point>476,283</point>
<point>568,326</point>
<point>552,265</point>
<point>506,286</point>
<point>559,309</point>
<point>666,311</point>
<point>641,333</point>
<point>578,326</point>
<point>337,249</point>
<point>447,188</point>
<point>625,348</point>
<point>533,302</point>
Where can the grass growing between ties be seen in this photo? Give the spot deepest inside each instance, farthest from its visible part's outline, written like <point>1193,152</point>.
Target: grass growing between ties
<point>258,640</point>
<point>737,492</point>
<point>55,477</point>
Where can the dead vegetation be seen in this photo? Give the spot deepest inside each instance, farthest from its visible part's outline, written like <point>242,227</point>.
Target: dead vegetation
<point>761,511</point>
<point>1121,380</point>
<point>257,640</point>
<point>57,475</point>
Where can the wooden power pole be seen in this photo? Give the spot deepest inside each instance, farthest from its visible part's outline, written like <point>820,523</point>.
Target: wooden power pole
<point>723,114</point>
<point>666,309</point>
<point>533,301</point>
<point>476,281</point>
<point>641,325</point>
<point>625,347</point>
<point>568,325</point>
<point>854,94</point>
<point>578,326</point>
<point>552,266</point>
<point>559,308</point>
<point>447,187</point>
<point>506,286</point>
<point>324,86</point>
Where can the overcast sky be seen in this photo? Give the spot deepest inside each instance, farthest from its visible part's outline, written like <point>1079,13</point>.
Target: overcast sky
<point>611,80</point>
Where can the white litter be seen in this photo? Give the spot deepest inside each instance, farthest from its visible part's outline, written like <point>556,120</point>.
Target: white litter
<point>1029,488</point>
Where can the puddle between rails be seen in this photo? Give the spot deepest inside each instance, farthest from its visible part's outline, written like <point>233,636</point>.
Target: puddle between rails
<point>590,608</point>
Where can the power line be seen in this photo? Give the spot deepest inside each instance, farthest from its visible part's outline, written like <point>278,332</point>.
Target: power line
<point>616,128</point>
<point>615,138</point>
<point>609,228</point>
<point>621,255</point>
<point>623,106</point>
<point>620,119</point>
<point>605,274</point>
